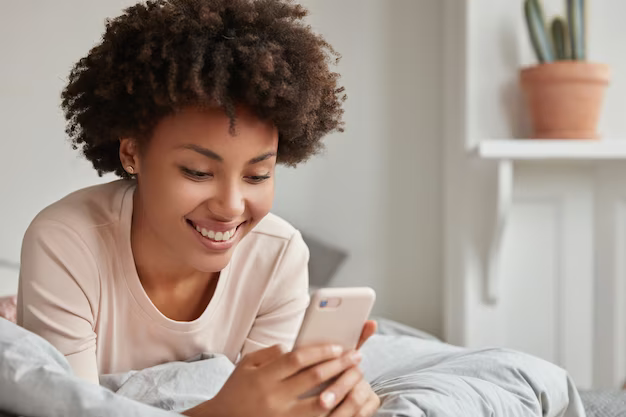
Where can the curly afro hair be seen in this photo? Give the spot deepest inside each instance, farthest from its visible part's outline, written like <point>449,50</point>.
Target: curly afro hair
<point>164,55</point>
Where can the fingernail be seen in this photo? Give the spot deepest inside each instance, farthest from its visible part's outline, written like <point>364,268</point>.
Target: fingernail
<point>337,349</point>
<point>356,356</point>
<point>328,399</point>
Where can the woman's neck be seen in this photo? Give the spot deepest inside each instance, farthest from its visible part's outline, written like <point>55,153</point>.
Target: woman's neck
<point>156,265</point>
<point>178,291</point>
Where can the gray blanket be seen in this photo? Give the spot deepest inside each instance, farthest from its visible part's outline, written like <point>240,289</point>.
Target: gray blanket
<point>604,403</point>
<point>413,377</point>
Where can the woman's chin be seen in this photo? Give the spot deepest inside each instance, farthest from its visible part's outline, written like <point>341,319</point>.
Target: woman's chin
<point>212,263</point>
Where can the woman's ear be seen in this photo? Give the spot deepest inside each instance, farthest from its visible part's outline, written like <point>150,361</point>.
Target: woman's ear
<point>129,155</point>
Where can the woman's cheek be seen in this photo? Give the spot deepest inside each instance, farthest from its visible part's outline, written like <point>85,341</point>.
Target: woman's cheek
<point>191,193</point>
<point>261,199</point>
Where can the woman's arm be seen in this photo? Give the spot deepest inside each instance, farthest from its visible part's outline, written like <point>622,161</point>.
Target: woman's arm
<point>58,293</point>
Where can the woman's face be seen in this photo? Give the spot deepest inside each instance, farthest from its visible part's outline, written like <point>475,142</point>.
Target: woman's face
<point>202,190</point>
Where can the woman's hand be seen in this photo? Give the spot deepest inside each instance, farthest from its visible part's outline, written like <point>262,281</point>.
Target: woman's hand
<point>351,395</point>
<point>368,330</point>
<point>269,383</point>
<point>358,398</point>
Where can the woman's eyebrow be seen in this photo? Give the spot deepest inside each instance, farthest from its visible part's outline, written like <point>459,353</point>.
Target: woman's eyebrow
<point>204,151</point>
<point>212,155</point>
<point>261,158</point>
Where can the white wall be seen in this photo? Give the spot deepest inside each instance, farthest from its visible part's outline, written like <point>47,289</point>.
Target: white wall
<point>39,42</point>
<point>376,192</point>
<point>561,272</point>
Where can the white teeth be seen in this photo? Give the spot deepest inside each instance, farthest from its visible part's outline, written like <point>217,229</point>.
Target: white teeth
<point>217,236</point>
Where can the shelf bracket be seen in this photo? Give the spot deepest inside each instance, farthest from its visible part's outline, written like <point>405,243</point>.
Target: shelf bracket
<point>503,202</point>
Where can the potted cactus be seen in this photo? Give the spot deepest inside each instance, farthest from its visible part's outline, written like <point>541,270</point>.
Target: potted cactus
<point>564,91</point>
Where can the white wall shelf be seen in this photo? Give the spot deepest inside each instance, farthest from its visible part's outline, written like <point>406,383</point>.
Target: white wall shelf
<point>506,152</point>
<point>550,149</point>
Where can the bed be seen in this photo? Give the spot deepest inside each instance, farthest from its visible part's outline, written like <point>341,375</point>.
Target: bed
<point>414,373</point>
<point>413,376</point>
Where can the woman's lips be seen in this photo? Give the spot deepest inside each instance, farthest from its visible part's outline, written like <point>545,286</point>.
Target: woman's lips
<point>216,240</point>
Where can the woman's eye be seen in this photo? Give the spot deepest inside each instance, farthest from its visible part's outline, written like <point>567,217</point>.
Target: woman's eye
<point>256,179</point>
<point>196,175</point>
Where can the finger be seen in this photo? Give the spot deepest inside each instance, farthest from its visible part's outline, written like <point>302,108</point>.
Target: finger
<point>370,407</point>
<point>309,407</point>
<point>368,330</point>
<point>263,356</point>
<point>301,358</point>
<point>355,400</point>
<point>314,376</point>
<point>342,389</point>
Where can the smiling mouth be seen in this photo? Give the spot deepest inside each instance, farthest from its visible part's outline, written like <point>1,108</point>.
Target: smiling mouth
<point>213,236</point>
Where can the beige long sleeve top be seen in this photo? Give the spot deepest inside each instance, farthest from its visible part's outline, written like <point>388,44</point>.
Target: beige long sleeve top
<point>79,289</point>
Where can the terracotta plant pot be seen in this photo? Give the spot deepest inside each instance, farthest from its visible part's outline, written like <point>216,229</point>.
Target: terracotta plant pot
<point>565,98</point>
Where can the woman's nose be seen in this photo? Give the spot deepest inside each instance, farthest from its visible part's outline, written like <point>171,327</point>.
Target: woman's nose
<point>228,203</point>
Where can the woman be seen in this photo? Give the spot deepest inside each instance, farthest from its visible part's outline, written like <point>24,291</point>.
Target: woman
<point>192,103</point>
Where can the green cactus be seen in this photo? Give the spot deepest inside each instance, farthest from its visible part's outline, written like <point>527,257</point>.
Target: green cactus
<point>537,30</point>
<point>577,25</point>
<point>567,36</point>
<point>560,38</point>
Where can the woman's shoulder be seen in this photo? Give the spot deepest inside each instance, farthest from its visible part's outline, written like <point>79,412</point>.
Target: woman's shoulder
<point>86,208</point>
<point>276,227</point>
<point>272,238</point>
<point>274,249</point>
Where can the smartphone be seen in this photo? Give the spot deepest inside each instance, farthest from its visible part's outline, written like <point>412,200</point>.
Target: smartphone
<point>337,316</point>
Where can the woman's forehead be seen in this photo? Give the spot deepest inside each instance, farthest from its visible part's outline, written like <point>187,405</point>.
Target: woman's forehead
<point>211,128</point>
